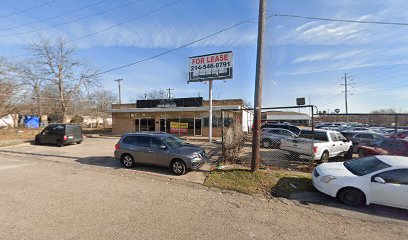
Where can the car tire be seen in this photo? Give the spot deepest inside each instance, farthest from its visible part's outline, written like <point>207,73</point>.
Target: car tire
<point>60,143</point>
<point>178,167</point>
<point>127,161</point>
<point>351,196</point>
<point>361,153</point>
<point>349,154</point>
<point>79,142</point>
<point>325,157</point>
<point>266,143</point>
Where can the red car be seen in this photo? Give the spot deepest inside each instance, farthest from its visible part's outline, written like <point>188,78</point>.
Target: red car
<point>389,146</point>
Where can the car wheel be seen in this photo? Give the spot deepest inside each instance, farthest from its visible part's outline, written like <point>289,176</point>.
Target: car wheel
<point>351,196</point>
<point>60,143</point>
<point>325,157</point>
<point>178,167</point>
<point>128,161</point>
<point>79,142</point>
<point>361,153</point>
<point>266,143</point>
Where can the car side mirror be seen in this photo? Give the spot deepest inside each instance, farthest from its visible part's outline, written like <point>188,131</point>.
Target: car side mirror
<point>379,180</point>
<point>163,147</point>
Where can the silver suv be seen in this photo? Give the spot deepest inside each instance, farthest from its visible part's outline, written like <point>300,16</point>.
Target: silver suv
<point>159,149</point>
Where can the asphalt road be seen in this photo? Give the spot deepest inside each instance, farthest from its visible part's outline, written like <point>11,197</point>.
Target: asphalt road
<point>51,197</point>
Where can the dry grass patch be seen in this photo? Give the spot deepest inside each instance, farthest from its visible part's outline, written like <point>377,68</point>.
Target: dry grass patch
<point>278,183</point>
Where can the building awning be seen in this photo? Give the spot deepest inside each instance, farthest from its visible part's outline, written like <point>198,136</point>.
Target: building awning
<point>173,109</point>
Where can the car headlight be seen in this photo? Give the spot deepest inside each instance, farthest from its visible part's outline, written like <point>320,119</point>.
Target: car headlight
<point>327,178</point>
<point>194,155</point>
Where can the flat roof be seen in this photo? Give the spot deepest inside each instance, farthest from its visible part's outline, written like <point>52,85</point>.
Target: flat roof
<point>173,109</point>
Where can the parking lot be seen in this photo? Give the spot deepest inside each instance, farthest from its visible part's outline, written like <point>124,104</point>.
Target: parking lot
<point>46,188</point>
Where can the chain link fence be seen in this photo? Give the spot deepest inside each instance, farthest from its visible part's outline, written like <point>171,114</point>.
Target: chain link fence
<point>295,138</point>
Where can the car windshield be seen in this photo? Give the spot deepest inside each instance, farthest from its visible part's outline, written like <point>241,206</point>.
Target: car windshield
<point>365,165</point>
<point>173,142</point>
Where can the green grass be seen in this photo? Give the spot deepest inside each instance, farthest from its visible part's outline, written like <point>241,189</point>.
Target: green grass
<point>275,182</point>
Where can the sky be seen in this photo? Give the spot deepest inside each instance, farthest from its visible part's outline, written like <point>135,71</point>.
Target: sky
<point>303,58</point>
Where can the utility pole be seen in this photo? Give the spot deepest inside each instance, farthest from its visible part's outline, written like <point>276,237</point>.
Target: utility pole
<point>120,97</point>
<point>258,88</point>
<point>346,92</point>
<point>169,94</point>
<point>210,87</point>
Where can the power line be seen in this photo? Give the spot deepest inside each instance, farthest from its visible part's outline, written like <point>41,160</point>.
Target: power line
<point>174,49</point>
<point>341,20</point>
<point>53,17</point>
<point>27,9</point>
<point>125,22</point>
<point>74,20</point>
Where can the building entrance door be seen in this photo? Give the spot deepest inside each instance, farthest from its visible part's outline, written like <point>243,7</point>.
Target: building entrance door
<point>163,125</point>
<point>198,126</point>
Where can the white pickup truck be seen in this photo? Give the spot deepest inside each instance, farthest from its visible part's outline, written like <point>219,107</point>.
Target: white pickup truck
<point>326,144</point>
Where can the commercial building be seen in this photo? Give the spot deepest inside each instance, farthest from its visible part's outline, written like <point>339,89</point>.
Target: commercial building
<point>286,117</point>
<point>181,116</point>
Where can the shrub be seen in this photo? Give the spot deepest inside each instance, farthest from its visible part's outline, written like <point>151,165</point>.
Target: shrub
<point>77,120</point>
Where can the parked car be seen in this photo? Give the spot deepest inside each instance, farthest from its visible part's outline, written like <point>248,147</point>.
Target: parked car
<point>289,127</point>
<point>402,134</point>
<point>374,179</point>
<point>60,134</point>
<point>271,137</point>
<point>160,149</point>
<point>387,146</point>
<point>364,138</point>
<point>321,145</point>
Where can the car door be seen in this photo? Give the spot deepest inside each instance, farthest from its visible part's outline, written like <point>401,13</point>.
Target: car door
<point>334,144</point>
<point>158,155</point>
<point>343,145</point>
<point>45,135</point>
<point>128,145</point>
<point>394,192</point>
<point>141,150</point>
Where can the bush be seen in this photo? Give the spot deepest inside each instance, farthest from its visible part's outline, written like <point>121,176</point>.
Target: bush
<point>77,120</point>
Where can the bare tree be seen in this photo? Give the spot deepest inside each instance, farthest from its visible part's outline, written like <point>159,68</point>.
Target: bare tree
<point>154,94</point>
<point>9,101</point>
<point>57,64</point>
<point>101,102</point>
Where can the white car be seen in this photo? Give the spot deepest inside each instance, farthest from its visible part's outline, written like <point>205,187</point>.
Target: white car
<point>377,179</point>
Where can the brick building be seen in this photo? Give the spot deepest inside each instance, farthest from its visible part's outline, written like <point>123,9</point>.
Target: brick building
<point>181,116</point>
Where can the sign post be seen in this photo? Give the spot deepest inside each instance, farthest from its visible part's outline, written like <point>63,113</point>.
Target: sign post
<point>206,68</point>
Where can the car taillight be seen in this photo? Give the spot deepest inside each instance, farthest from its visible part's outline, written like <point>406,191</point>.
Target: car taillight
<point>315,149</point>
<point>65,138</point>
<point>117,146</point>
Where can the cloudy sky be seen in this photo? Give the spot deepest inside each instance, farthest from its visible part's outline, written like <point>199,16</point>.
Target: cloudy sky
<point>303,58</point>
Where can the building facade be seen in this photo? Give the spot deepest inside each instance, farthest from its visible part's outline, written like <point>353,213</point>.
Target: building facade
<point>180,116</point>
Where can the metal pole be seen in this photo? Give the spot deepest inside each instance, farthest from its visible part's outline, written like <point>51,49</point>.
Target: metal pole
<point>120,97</point>
<point>345,95</point>
<point>258,88</point>
<point>210,111</point>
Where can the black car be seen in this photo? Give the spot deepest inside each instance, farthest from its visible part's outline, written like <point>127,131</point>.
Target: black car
<point>60,134</point>
<point>289,127</point>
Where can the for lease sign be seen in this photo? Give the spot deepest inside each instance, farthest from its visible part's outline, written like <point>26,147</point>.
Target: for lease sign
<point>176,127</point>
<point>211,67</point>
